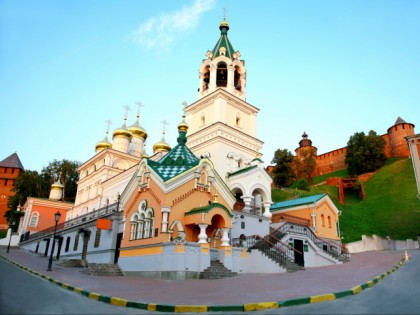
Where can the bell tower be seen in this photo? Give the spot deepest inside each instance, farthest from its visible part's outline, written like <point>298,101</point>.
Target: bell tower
<point>223,68</point>
<point>222,125</point>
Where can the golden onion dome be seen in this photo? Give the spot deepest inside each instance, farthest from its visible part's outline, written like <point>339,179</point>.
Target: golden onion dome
<point>122,132</point>
<point>224,23</point>
<point>104,144</point>
<point>183,126</point>
<point>138,130</point>
<point>57,184</point>
<point>161,145</point>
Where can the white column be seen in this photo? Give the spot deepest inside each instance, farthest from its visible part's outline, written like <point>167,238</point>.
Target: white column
<point>267,212</point>
<point>212,83</point>
<point>202,237</point>
<point>247,200</point>
<point>165,214</point>
<point>225,238</point>
<point>230,81</point>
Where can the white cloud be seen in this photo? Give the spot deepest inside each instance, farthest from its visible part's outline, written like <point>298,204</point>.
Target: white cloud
<point>161,31</point>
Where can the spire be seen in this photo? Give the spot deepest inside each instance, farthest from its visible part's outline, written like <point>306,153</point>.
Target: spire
<point>223,45</point>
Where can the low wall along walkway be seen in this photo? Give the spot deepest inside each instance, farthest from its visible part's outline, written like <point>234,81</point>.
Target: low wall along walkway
<point>375,243</point>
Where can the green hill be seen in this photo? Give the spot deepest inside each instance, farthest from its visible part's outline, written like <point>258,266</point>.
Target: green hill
<point>391,207</point>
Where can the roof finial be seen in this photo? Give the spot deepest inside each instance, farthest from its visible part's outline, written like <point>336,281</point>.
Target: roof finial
<point>224,14</point>
<point>164,124</point>
<point>127,108</point>
<point>108,123</point>
<point>139,104</point>
<point>185,104</point>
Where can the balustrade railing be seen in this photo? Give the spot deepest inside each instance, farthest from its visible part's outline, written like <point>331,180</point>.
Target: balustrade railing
<point>332,248</point>
<point>90,216</point>
<point>269,248</point>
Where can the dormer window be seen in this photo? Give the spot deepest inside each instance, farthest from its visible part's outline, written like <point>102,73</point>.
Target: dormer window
<point>222,51</point>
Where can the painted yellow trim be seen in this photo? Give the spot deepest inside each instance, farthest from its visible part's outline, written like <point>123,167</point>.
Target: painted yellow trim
<point>190,308</point>
<point>151,307</point>
<point>370,283</point>
<point>78,290</point>
<point>260,306</point>
<point>141,251</point>
<point>243,254</point>
<point>204,248</point>
<point>93,296</point>
<point>322,298</point>
<point>379,278</point>
<point>228,250</point>
<point>179,248</point>
<point>357,289</point>
<point>118,302</point>
<point>65,286</point>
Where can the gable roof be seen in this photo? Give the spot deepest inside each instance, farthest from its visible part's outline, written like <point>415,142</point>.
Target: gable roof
<point>12,161</point>
<point>177,161</point>
<point>242,170</point>
<point>296,202</point>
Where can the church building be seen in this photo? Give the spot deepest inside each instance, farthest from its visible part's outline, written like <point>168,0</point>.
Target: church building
<point>174,214</point>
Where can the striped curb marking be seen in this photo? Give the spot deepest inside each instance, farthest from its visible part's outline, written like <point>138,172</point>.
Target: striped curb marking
<point>151,307</point>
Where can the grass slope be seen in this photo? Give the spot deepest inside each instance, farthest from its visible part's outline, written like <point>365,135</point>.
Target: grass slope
<point>390,209</point>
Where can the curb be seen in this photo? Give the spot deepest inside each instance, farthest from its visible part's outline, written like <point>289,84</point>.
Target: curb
<point>213,308</point>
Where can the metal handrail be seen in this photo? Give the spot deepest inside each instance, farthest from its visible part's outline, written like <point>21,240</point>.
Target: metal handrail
<point>101,212</point>
<point>261,243</point>
<point>332,248</point>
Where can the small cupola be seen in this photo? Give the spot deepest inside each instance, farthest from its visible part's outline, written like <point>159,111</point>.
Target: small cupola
<point>162,145</point>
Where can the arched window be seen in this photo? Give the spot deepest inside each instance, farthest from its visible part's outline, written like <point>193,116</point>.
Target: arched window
<point>329,222</point>
<point>134,227</point>
<point>203,119</point>
<point>140,233</point>
<point>238,120</point>
<point>237,79</point>
<point>33,222</point>
<point>322,219</point>
<point>221,74</point>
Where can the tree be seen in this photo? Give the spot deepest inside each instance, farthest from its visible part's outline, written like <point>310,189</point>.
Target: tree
<point>306,163</point>
<point>32,184</point>
<point>27,184</point>
<point>365,153</point>
<point>69,176</point>
<point>283,173</point>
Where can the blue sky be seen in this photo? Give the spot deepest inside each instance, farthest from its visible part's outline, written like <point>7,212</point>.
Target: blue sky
<point>330,68</point>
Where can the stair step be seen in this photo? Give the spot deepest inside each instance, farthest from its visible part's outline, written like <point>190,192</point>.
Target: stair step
<point>217,270</point>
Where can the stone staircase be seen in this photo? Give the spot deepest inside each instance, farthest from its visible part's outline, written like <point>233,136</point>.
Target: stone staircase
<point>102,270</point>
<point>217,271</point>
<point>293,267</point>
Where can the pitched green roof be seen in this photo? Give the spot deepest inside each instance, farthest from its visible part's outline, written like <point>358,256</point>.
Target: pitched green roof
<point>223,42</point>
<point>242,170</point>
<point>296,202</point>
<point>208,208</point>
<point>177,161</point>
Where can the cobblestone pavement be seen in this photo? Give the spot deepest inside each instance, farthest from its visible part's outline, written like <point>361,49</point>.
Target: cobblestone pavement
<point>245,288</point>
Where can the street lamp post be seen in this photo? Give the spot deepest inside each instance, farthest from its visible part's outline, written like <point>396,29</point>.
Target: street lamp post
<point>57,216</point>
<point>11,232</point>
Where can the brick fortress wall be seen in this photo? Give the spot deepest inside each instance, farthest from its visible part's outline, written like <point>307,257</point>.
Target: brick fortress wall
<point>395,146</point>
